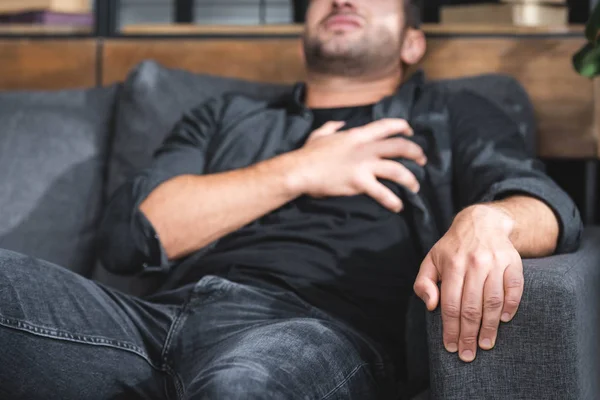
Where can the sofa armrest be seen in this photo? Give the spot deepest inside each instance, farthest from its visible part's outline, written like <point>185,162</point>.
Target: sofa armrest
<point>551,349</point>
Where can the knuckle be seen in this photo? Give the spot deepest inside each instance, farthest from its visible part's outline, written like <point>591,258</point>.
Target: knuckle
<point>471,314</point>
<point>493,302</point>
<point>505,254</point>
<point>401,147</point>
<point>419,285</point>
<point>450,334</point>
<point>455,262</point>
<point>489,325</point>
<point>469,340</point>
<point>353,136</point>
<point>511,303</point>
<point>357,181</point>
<point>480,258</point>
<point>411,179</point>
<point>450,311</point>
<point>450,338</point>
<point>390,122</point>
<point>398,143</point>
<point>359,146</point>
<point>415,149</point>
<point>400,174</point>
<point>385,124</point>
<point>514,282</point>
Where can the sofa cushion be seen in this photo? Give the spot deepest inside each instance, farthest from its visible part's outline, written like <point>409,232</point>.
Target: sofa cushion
<point>153,100</point>
<point>52,157</point>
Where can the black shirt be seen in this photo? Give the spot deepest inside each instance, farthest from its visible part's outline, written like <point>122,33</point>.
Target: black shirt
<point>348,256</point>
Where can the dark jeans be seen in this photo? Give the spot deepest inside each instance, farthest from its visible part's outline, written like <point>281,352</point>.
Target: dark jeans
<point>65,337</point>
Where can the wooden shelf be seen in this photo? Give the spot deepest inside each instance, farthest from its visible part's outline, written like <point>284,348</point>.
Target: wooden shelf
<point>192,29</point>
<point>23,29</point>
<point>437,29</point>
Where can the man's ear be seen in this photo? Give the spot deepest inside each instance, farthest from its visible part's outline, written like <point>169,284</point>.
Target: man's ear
<point>300,50</point>
<point>413,46</point>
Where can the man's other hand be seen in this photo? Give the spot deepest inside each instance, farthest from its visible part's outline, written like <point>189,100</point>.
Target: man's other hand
<point>482,279</point>
<point>333,163</point>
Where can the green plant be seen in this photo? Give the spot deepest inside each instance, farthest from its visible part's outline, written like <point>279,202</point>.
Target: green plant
<point>587,60</point>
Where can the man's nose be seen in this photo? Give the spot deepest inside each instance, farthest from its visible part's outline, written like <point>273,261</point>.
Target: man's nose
<point>341,4</point>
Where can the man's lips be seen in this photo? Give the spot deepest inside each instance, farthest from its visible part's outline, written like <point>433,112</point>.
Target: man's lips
<point>342,22</point>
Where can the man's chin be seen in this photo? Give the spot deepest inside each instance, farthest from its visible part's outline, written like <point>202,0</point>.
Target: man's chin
<point>339,47</point>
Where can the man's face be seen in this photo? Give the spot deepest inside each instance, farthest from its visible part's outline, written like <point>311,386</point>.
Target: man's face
<point>353,37</point>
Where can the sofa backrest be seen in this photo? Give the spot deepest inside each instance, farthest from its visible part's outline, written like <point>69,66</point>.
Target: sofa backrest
<point>53,152</point>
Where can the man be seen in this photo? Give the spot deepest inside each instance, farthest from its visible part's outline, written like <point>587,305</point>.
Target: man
<point>293,232</point>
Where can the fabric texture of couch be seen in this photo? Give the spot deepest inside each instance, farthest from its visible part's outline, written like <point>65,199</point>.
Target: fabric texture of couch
<point>64,154</point>
<point>53,153</point>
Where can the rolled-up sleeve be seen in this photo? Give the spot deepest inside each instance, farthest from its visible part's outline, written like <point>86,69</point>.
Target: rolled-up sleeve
<point>127,241</point>
<point>490,162</point>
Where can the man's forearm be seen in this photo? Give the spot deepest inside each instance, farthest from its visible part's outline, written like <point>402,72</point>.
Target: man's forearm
<point>189,212</point>
<point>535,226</point>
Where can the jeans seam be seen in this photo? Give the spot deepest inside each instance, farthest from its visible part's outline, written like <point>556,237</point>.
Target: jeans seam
<point>177,382</point>
<point>344,381</point>
<point>192,300</point>
<point>53,333</point>
<point>165,353</point>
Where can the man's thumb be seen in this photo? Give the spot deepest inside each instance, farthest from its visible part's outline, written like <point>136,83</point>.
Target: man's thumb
<point>426,284</point>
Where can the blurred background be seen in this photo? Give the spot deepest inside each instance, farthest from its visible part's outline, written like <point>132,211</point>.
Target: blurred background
<point>78,15</point>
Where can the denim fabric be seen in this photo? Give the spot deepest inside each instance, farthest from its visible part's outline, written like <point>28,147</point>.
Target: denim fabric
<point>64,336</point>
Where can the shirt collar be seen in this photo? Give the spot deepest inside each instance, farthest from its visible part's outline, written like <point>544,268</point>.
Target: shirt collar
<point>398,104</point>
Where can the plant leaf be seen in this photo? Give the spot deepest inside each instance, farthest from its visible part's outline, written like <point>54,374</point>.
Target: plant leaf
<point>593,25</point>
<point>587,61</point>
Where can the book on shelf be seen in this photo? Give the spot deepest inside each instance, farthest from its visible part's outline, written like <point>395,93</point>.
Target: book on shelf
<point>513,12</point>
<point>47,18</point>
<point>63,6</point>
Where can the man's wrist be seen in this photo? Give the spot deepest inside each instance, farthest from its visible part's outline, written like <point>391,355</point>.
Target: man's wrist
<point>289,167</point>
<point>493,215</point>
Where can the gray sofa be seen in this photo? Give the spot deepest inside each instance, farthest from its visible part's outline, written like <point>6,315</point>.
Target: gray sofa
<point>63,154</point>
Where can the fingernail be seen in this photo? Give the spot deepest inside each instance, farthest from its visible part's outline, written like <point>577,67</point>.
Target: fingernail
<point>452,347</point>
<point>417,188</point>
<point>426,298</point>
<point>486,343</point>
<point>505,317</point>
<point>467,356</point>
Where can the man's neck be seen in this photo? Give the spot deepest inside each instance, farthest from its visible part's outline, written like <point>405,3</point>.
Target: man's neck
<point>336,91</point>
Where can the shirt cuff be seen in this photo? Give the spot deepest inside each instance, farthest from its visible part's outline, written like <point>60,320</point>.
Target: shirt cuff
<point>569,220</point>
<point>155,257</point>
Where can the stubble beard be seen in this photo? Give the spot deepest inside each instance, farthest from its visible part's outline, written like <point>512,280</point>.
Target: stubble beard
<point>345,57</point>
